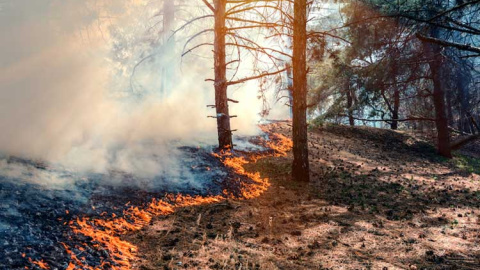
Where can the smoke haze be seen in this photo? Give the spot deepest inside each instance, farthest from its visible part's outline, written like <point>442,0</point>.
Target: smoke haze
<point>66,95</point>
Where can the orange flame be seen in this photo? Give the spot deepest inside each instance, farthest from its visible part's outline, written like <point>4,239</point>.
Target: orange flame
<point>41,264</point>
<point>106,233</point>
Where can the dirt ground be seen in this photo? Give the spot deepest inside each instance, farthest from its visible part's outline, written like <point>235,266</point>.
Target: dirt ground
<point>378,200</point>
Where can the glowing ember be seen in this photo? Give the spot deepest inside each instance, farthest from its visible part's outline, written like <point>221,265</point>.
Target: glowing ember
<point>40,264</point>
<point>105,233</point>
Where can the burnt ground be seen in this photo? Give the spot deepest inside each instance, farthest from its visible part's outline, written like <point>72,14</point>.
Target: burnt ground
<point>38,200</point>
<point>378,200</point>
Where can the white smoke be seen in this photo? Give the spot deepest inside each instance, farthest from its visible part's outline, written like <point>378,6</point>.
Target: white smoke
<point>66,96</point>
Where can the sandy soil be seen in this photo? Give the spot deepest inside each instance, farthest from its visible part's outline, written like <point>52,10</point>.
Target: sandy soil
<point>378,200</point>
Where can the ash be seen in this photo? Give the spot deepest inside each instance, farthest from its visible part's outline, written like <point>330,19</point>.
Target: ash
<point>38,200</point>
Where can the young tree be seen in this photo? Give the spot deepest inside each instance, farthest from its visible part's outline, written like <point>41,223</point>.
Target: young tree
<point>439,26</point>
<point>433,52</point>
<point>220,81</point>
<point>231,17</point>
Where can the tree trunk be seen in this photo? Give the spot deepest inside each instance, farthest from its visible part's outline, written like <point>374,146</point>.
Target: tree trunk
<point>463,123</point>
<point>351,120</point>
<point>441,117</point>
<point>449,98</point>
<point>472,128</point>
<point>221,98</point>
<point>300,167</point>
<point>396,109</point>
<point>434,53</point>
<point>396,98</point>
<point>478,121</point>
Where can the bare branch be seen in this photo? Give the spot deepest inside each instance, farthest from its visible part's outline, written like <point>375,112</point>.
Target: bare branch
<point>209,5</point>
<point>265,74</point>
<point>460,46</point>
<point>196,47</point>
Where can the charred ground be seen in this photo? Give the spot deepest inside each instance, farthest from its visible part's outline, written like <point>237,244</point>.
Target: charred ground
<point>378,199</point>
<point>35,218</point>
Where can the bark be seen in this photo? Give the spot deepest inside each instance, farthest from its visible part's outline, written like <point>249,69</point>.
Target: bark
<point>434,53</point>
<point>221,98</point>
<point>396,109</point>
<point>472,127</point>
<point>478,121</point>
<point>351,119</point>
<point>300,167</point>
<point>463,123</point>
<point>473,122</point>
<point>396,99</point>
<point>449,98</point>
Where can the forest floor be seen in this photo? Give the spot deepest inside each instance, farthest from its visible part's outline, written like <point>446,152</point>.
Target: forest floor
<point>378,200</point>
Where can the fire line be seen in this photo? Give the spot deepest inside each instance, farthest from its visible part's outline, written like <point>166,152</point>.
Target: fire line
<point>105,234</point>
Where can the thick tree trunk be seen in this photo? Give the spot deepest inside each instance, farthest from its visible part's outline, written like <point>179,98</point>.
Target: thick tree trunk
<point>440,113</point>
<point>434,53</point>
<point>221,98</point>
<point>300,167</point>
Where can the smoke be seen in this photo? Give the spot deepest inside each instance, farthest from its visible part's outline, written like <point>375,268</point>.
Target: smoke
<point>67,96</point>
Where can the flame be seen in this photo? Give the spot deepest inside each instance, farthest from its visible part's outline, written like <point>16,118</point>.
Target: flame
<point>105,233</point>
<point>40,264</point>
<point>279,144</point>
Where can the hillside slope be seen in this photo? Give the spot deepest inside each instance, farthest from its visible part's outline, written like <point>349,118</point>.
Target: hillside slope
<point>378,200</point>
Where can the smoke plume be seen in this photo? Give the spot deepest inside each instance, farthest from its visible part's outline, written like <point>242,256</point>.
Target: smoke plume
<point>67,95</point>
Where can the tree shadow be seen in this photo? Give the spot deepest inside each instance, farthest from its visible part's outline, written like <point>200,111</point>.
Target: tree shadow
<point>410,189</point>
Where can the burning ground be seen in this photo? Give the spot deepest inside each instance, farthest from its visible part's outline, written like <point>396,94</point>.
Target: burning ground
<point>379,200</point>
<point>78,223</point>
<point>43,206</point>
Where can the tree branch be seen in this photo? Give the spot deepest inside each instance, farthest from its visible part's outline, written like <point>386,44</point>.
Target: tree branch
<point>209,5</point>
<point>265,74</point>
<point>460,46</point>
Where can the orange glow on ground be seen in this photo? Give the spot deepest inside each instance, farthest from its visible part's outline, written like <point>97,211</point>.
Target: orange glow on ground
<point>40,264</point>
<point>106,234</point>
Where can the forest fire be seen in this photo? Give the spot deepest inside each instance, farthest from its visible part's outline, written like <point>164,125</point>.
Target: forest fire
<point>105,233</point>
<point>125,122</point>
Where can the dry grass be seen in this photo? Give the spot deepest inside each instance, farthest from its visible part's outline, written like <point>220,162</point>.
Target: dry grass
<point>378,200</point>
